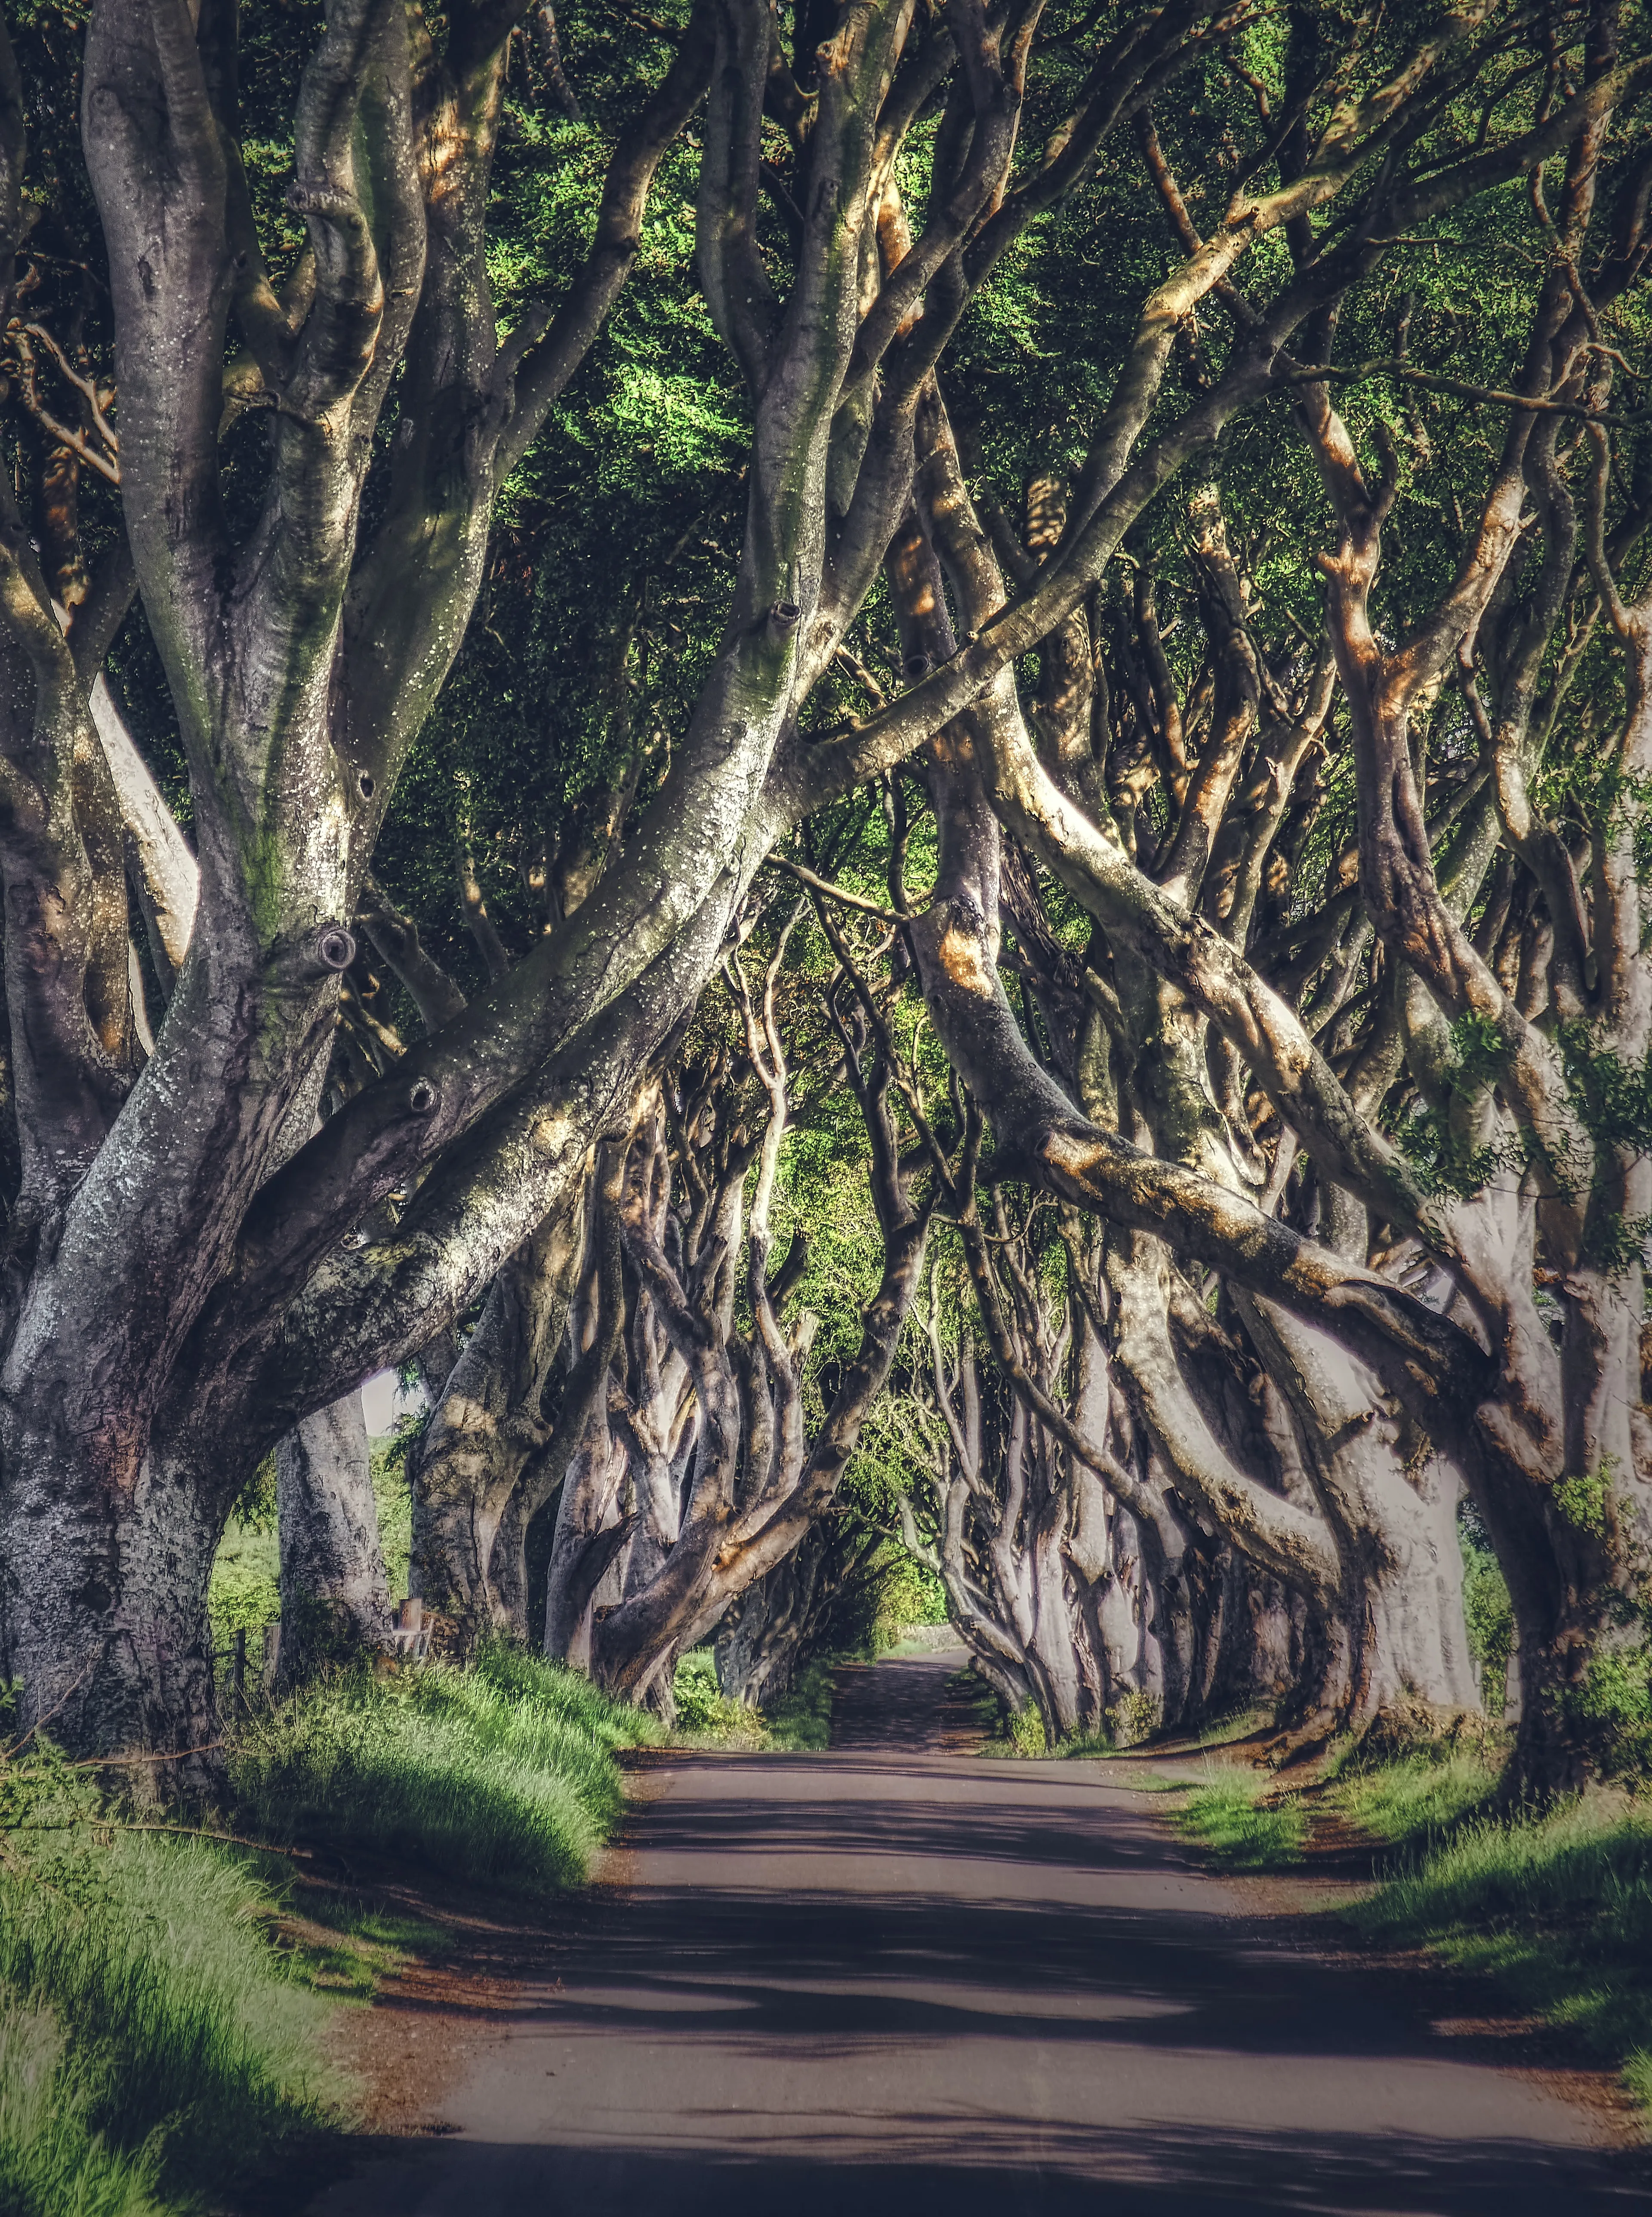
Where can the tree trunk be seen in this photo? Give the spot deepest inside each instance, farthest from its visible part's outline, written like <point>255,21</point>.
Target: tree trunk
<point>334,1599</point>
<point>103,1604</point>
<point>488,1425</point>
<point>1402,1635</point>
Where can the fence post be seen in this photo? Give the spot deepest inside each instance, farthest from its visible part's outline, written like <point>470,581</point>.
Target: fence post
<point>238,1670</point>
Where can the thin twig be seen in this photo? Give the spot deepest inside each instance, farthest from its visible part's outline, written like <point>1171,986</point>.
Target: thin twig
<point>120,1762</point>
<point>83,386</point>
<point>837,893</point>
<point>17,1746</point>
<point>1322,372</point>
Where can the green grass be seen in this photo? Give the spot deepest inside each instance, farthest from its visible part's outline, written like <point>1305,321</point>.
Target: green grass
<point>1230,1820</point>
<point>51,2164</point>
<point>1412,1798</point>
<point>152,2043</point>
<point>162,1998</point>
<point>503,1774</point>
<point>1557,1908</point>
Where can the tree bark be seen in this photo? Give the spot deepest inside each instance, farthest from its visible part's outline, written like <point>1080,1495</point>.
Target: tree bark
<point>334,1599</point>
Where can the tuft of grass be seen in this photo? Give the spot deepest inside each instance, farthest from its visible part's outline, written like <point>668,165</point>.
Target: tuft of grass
<point>501,1774</point>
<point>1084,1747</point>
<point>1231,1821</point>
<point>1558,1908</point>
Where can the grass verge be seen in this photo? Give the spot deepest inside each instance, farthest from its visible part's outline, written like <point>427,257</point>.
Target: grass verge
<point>153,2045</point>
<point>162,1998</point>
<point>501,1774</point>
<point>1557,1909</point>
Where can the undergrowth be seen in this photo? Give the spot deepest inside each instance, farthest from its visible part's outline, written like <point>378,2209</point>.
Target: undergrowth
<point>501,1774</point>
<point>800,1719</point>
<point>705,1712</point>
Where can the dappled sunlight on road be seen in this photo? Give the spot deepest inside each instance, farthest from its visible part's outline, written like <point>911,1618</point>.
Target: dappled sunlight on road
<point>904,1980</point>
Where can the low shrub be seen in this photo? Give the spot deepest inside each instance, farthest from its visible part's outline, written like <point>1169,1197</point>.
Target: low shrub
<point>800,1719</point>
<point>1134,1717</point>
<point>704,1712</point>
<point>1024,1730</point>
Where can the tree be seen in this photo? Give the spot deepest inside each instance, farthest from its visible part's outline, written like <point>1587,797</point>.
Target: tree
<point>1209,1062</point>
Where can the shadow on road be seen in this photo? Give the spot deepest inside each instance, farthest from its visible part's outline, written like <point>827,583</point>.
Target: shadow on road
<point>886,1980</point>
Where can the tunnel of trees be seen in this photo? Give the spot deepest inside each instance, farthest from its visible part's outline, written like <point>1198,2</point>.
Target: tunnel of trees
<point>886,770</point>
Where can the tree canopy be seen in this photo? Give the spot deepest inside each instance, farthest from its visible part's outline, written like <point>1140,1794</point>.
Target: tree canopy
<point>886,768</point>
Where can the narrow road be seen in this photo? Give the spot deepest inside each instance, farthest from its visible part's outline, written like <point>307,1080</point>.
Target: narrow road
<point>895,1980</point>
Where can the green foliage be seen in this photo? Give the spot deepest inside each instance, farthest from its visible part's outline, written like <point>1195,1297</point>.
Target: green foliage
<point>1232,1821</point>
<point>1582,1500</point>
<point>1024,1731</point>
<point>501,1774</point>
<point>704,1711</point>
<point>394,1500</point>
<point>1488,1612</point>
<point>1134,1717</point>
<point>245,1591</point>
<point>255,1510</point>
<point>1615,1699</point>
<point>1558,1907</point>
<point>152,2045</point>
<point>801,1718</point>
<point>911,1592</point>
<point>1432,1138</point>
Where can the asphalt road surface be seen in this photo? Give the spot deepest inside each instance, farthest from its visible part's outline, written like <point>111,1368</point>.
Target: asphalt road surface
<point>895,1980</point>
